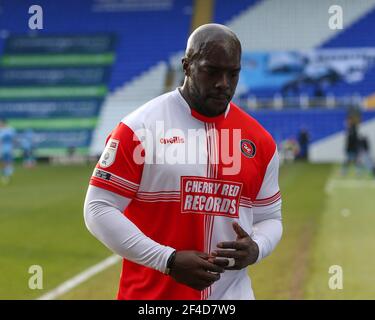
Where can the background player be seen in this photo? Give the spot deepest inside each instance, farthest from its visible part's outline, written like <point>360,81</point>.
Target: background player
<point>7,137</point>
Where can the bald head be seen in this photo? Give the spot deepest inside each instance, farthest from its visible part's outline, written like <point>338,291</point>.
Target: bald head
<point>205,37</point>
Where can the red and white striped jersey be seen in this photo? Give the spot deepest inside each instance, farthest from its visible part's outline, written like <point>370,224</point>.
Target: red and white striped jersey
<point>189,177</point>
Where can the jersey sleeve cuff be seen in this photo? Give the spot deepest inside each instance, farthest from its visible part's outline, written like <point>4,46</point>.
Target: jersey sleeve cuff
<point>165,256</point>
<point>111,182</point>
<point>113,188</point>
<point>267,201</point>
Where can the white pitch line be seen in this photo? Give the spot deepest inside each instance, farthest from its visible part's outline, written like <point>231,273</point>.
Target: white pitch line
<point>352,183</point>
<point>333,183</point>
<point>80,278</point>
<point>329,186</point>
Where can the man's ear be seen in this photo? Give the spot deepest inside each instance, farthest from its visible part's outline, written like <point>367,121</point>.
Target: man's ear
<point>186,66</point>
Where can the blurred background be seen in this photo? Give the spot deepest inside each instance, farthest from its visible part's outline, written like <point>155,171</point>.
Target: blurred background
<point>71,70</point>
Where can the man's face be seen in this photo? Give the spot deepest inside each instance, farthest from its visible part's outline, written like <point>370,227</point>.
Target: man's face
<point>213,78</point>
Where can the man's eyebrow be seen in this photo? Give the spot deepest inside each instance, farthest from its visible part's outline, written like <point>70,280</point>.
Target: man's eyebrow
<point>211,66</point>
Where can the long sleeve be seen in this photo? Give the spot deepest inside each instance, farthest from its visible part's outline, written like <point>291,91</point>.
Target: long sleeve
<point>267,222</point>
<point>104,218</point>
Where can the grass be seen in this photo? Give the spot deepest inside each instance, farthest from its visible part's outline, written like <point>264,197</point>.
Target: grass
<point>41,223</point>
<point>104,286</point>
<point>345,239</point>
<point>283,274</point>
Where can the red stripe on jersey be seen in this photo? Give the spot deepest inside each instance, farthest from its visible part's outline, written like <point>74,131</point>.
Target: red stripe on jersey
<point>123,175</point>
<point>267,201</point>
<point>158,192</point>
<point>110,177</point>
<point>113,187</point>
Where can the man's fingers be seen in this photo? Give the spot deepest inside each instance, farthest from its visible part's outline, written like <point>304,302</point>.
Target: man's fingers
<point>221,262</point>
<point>208,277</point>
<point>227,254</point>
<point>211,267</point>
<point>203,255</point>
<point>232,245</point>
<point>238,229</point>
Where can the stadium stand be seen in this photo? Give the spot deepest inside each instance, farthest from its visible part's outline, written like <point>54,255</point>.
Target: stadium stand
<point>278,21</point>
<point>319,122</point>
<point>115,107</point>
<point>270,17</point>
<point>224,10</point>
<point>138,71</point>
<point>356,36</point>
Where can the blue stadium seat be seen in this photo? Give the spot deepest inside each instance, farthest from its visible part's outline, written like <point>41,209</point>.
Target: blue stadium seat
<point>224,10</point>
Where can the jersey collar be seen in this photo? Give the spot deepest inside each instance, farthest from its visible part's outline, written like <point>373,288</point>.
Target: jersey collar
<point>199,116</point>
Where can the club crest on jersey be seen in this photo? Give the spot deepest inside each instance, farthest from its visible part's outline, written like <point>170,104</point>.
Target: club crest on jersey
<point>109,154</point>
<point>248,148</point>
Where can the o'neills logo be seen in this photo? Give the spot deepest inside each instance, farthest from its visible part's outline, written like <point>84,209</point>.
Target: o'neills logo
<point>247,148</point>
<point>172,140</point>
<point>210,196</point>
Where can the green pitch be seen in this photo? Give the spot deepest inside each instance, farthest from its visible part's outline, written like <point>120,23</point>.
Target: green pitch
<point>41,223</point>
<point>328,220</point>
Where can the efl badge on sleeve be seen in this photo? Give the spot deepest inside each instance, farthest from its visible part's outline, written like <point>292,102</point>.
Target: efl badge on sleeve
<point>109,154</point>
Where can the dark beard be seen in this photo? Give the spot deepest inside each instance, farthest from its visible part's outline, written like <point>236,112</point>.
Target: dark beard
<point>198,104</point>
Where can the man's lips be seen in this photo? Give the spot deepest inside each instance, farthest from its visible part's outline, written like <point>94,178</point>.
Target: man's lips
<point>219,97</point>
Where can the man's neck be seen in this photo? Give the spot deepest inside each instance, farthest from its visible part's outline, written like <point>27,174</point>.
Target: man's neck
<point>193,105</point>
<point>186,95</point>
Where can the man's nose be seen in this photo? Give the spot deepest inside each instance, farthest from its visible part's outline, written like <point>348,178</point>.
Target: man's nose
<point>223,82</point>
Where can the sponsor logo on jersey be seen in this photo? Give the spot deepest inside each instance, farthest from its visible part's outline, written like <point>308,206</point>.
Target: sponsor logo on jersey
<point>248,148</point>
<point>210,196</point>
<point>172,140</point>
<point>109,154</point>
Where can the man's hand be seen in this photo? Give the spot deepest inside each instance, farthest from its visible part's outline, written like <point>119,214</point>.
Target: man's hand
<point>244,251</point>
<point>193,269</point>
